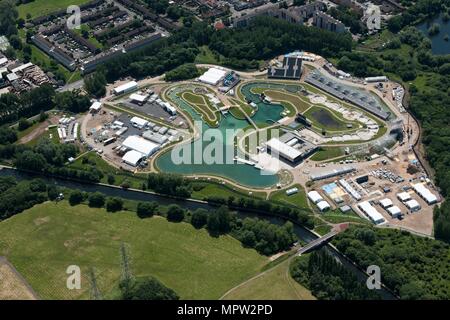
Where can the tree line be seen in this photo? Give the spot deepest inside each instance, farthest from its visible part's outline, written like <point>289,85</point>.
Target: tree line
<point>327,279</point>
<point>413,267</point>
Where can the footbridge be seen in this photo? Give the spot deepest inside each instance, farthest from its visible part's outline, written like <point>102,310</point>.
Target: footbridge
<point>322,240</point>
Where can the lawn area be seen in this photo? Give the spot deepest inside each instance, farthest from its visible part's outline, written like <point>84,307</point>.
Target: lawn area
<point>202,106</point>
<point>206,56</point>
<point>292,99</point>
<point>44,240</point>
<point>337,216</point>
<point>39,8</point>
<point>213,189</point>
<point>297,199</point>
<point>95,160</point>
<point>326,153</point>
<point>276,284</point>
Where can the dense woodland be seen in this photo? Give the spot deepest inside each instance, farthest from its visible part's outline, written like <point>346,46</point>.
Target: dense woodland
<point>414,267</point>
<point>327,279</point>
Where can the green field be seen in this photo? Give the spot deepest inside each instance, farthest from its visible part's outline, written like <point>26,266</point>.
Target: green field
<point>291,99</point>
<point>201,105</point>
<point>276,284</point>
<point>326,153</point>
<point>298,199</point>
<point>39,8</point>
<point>43,241</point>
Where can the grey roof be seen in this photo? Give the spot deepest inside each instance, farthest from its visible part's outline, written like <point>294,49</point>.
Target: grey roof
<point>291,69</point>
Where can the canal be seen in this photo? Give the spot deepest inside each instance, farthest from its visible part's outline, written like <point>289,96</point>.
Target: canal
<point>301,232</point>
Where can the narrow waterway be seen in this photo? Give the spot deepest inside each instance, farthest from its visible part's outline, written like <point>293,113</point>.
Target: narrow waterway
<point>301,232</point>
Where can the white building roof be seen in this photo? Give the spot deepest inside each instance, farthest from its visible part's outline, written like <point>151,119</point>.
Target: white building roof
<point>314,196</point>
<point>323,205</point>
<point>394,211</point>
<point>126,86</point>
<point>283,149</point>
<point>96,106</point>
<point>139,121</point>
<point>425,193</point>
<point>22,67</point>
<point>385,203</point>
<point>138,97</point>
<point>412,204</point>
<point>371,212</point>
<point>3,61</point>
<point>132,157</point>
<point>212,76</point>
<point>404,196</point>
<point>141,145</point>
<point>12,77</point>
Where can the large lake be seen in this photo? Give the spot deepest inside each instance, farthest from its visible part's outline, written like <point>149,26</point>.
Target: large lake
<point>438,44</point>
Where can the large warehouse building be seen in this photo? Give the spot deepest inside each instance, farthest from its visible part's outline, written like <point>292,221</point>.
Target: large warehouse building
<point>290,147</point>
<point>125,88</point>
<point>213,76</point>
<point>145,147</point>
<point>371,212</point>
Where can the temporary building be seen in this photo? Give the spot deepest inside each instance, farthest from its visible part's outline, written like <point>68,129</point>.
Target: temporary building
<point>394,211</point>
<point>355,194</point>
<point>127,87</point>
<point>413,205</point>
<point>323,205</point>
<point>138,122</point>
<point>403,196</point>
<point>95,107</point>
<point>136,143</point>
<point>132,158</point>
<point>291,191</point>
<point>314,196</point>
<point>212,76</point>
<point>371,212</point>
<point>426,194</point>
<point>386,203</point>
<point>138,98</point>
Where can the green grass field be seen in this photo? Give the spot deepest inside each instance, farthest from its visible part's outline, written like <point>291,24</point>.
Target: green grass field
<point>43,241</point>
<point>326,153</point>
<point>276,284</point>
<point>201,105</point>
<point>298,199</point>
<point>39,8</point>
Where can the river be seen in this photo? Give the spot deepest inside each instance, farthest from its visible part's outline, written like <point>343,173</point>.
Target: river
<point>301,232</point>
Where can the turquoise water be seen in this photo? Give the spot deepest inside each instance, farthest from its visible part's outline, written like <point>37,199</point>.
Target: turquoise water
<point>438,44</point>
<point>243,174</point>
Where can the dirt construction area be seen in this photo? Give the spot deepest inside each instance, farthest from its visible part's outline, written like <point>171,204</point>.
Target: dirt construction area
<point>12,285</point>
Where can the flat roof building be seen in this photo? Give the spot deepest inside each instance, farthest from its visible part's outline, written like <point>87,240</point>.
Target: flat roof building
<point>138,122</point>
<point>95,107</point>
<point>331,173</point>
<point>138,98</point>
<point>283,150</point>
<point>213,76</point>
